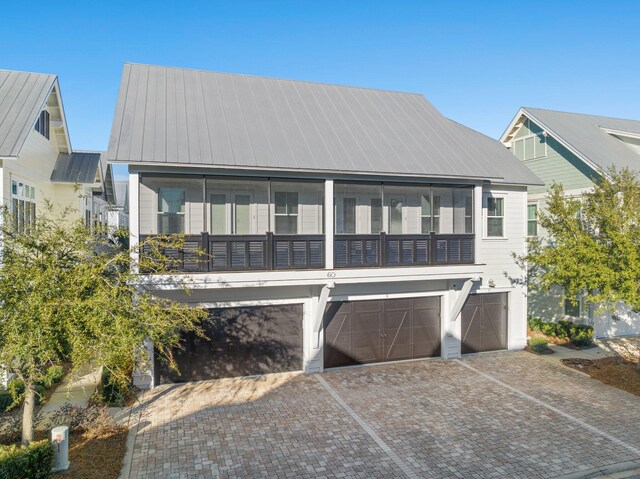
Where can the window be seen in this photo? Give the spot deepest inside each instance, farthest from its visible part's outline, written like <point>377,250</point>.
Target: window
<point>376,215</point>
<point>286,212</point>
<point>532,220</point>
<point>218,214</point>
<point>171,210</point>
<point>348,216</point>
<point>395,215</point>
<point>495,217</point>
<point>23,205</point>
<point>42,124</point>
<point>531,143</point>
<point>436,213</point>
<point>572,308</point>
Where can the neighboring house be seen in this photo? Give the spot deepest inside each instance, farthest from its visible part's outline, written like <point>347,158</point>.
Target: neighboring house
<point>37,163</point>
<point>119,214</point>
<point>344,225</point>
<point>574,150</point>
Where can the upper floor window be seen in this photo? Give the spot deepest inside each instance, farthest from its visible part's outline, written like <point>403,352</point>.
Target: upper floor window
<point>171,210</point>
<point>42,124</point>
<point>286,212</point>
<point>23,205</point>
<point>532,220</point>
<point>530,142</point>
<point>495,217</point>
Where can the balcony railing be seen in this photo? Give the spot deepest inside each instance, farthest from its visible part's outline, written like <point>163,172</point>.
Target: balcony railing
<point>269,252</point>
<point>208,253</point>
<point>383,250</point>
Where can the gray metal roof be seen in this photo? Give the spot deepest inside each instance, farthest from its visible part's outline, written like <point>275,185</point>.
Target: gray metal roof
<point>78,167</point>
<point>23,95</point>
<point>585,135</point>
<point>186,117</point>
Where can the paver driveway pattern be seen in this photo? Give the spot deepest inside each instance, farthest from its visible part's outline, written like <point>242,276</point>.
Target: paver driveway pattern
<point>474,418</point>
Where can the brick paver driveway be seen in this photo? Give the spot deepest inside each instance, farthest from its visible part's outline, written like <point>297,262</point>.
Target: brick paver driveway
<point>490,415</point>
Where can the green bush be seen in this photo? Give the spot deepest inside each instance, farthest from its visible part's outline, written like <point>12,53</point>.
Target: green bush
<point>581,335</point>
<point>6,400</point>
<point>54,375</point>
<point>538,345</point>
<point>549,329</point>
<point>113,393</point>
<point>535,323</point>
<point>33,461</point>
<point>40,390</point>
<point>563,329</point>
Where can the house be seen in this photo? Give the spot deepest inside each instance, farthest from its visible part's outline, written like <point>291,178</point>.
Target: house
<point>574,150</point>
<point>343,225</point>
<point>37,160</point>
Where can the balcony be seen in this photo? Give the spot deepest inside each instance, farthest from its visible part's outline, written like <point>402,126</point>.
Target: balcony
<point>208,254</point>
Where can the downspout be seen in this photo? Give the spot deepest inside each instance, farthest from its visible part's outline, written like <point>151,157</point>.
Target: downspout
<point>322,303</point>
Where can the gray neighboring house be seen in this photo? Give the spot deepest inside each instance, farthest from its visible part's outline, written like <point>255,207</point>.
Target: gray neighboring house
<point>574,150</point>
<point>343,225</point>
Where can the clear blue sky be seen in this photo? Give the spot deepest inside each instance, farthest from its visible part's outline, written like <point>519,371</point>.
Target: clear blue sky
<point>477,61</point>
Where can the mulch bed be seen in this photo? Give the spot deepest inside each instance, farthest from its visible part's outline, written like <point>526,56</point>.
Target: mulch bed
<point>96,457</point>
<point>614,371</point>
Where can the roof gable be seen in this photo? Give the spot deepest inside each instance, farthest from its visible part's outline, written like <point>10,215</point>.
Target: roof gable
<point>186,117</point>
<point>593,139</point>
<point>23,96</point>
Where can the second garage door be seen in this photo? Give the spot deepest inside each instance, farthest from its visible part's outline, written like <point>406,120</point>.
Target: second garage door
<point>241,342</point>
<point>362,332</point>
<point>484,323</point>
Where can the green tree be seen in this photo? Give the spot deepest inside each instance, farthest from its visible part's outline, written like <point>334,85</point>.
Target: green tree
<point>68,294</point>
<point>593,244</point>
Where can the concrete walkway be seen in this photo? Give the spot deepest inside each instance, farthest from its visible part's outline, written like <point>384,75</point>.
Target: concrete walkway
<point>76,391</point>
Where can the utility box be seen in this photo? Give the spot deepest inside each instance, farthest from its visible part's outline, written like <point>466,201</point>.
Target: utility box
<point>60,442</point>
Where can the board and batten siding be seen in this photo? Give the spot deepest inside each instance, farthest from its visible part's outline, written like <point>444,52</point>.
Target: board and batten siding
<point>501,273</point>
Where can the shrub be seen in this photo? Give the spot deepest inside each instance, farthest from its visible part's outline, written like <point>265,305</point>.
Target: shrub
<point>32,461</point>
<point>581,335</point>
<point>563,329</point>
<point>538,345</point>
<point>549,329</point>
<point>16,389</point>
<point>113,393</point>
<point>40,390</point>
<point>54,375</point>
<point>535,323</point>
<point>94,420</point>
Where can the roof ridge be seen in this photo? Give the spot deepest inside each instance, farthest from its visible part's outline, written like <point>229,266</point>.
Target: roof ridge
<point>247,75</point>
<point>579,114</point>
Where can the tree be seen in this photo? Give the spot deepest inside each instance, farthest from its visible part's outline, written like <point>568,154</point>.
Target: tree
<point>67,293</point>
<point>593,244</point>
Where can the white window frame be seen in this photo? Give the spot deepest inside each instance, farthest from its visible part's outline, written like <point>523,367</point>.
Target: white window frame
<point>537,205</point>
<point>25,192</point>
<point>485,216</point>
<point>541,134</point>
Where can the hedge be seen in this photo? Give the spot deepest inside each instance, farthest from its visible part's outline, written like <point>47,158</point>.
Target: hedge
<point>33,461</point>
<point>579,334</point>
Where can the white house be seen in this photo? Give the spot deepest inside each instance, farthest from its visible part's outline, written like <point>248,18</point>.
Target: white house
<point>574,150</point>
<point>344,225</point>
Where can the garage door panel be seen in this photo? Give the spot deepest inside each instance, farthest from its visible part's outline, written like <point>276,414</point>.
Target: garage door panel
<point>484,323</point>
<point>385,330</point>
<point>240,342</point>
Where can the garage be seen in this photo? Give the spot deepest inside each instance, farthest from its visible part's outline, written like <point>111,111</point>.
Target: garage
<point>240,342</point>
<point>484,323</point>
<point>361,332</point>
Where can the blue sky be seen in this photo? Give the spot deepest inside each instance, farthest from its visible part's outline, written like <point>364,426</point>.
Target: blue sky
<point>476,61</point>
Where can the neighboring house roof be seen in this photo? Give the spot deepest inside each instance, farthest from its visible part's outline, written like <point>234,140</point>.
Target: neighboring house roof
<point>591,138</point>
<point>78,167</point>
<point>23,96</point>
<point>176,116</point>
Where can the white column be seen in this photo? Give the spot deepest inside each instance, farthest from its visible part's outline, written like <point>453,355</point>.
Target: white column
<point>477,222</point>
<point>328,223</point>
<point>134,215</point>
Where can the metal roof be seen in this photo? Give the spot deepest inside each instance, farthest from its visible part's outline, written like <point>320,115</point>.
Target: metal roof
<point>23,95</point>
<point>78,167</point>
<point>185,117</point>
<point>586,136</point>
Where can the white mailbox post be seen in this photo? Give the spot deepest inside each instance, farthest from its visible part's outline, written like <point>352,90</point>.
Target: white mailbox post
<point>60,441</point>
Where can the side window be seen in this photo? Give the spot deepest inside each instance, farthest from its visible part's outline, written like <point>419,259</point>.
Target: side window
<point>23,205</point>
<point>495,217</point>
<point>572,308</point>
<point>532,220</point>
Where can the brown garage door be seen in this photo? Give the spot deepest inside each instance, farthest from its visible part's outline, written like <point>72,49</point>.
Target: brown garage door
<point>241,342</point>
<point>362,332</point>
<point>484,323</point>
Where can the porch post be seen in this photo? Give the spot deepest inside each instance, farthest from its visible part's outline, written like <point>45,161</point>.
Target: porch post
<point>328,224</point>
<point>477,223</point>
<point>134,213</point>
